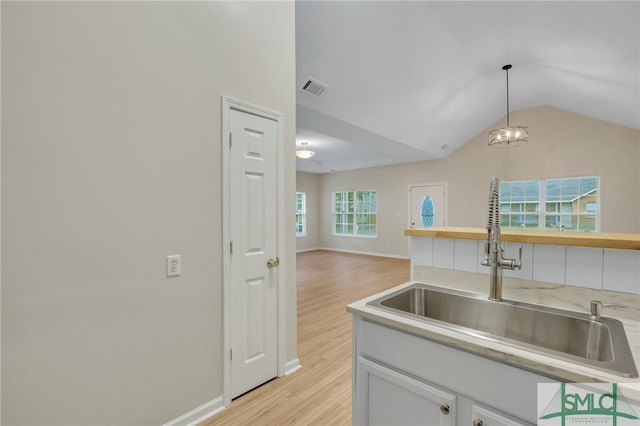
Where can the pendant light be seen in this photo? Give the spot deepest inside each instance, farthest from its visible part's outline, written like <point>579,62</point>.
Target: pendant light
<point>510,136</point>
<point>304,153</point>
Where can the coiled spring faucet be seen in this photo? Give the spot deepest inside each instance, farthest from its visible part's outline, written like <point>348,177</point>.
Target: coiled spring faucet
<point>493,250</point>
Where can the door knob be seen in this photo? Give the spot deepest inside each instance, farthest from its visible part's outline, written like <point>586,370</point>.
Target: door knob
<point>444,409</point>
<point>272,263</point>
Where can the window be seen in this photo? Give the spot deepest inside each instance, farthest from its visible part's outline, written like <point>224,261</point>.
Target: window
<point>520,204</point>
<point>572,204</point>
<point>301,214</point>
<point>565,204</point>
<point>354,213</point>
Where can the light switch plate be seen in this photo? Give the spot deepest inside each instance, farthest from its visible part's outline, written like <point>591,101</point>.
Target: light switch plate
<point>173,266</point>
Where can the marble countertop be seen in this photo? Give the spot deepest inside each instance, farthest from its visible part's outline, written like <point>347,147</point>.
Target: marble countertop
<point>541,294</point>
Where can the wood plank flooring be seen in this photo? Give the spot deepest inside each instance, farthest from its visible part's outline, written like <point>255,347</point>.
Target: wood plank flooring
<point>320,392</point>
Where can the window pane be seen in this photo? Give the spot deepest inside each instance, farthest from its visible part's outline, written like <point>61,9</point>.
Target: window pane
<point>553,207</point>
<point>532,190</point>
<point>566,207</point>
<point>300,202</point>
<point>589,203</point>
<point>588,185</point>
<point>300,212</point>
<point>587,223</point>
<point>566,222</point>
<point>552,222</point>
<point>553,190</point>
<point>505,192</point>
<point>299,228</point>
<point>569,189</point>
<point>577,198</point>
<point>343,224</point>
<point>531,221</point>
<point>517,191</point>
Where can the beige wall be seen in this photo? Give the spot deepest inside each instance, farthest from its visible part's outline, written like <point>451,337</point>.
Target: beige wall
<point>561,144</point>
<point>111,161</point>
<point>310,185</point>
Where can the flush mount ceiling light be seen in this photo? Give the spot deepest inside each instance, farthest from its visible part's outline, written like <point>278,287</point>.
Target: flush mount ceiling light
<point>507,137</point>
<point>304,153</point>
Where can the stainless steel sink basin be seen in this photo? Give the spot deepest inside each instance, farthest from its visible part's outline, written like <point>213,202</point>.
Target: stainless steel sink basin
<point>561,334</point>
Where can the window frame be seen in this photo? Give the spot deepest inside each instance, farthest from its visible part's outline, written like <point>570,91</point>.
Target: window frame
<point>542,212</point>
<point>302,213</point>
<point>350,212</point>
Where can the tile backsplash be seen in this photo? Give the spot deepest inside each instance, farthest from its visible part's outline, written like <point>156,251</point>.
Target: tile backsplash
<point>595,268</point>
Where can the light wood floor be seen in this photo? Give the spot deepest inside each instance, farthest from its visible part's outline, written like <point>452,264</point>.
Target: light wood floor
<point>320,392</point>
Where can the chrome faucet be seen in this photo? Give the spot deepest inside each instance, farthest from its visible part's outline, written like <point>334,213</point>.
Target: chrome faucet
<point>493,250</point>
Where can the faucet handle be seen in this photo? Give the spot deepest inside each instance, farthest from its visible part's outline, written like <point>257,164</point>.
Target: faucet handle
<point>596,307</point>
<point>518,264</point>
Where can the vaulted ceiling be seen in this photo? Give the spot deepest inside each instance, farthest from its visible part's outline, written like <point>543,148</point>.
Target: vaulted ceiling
<point>407,78</point>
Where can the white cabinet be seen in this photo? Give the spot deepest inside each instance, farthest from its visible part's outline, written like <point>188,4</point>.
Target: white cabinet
<point>403,379</point>
<point>412,401</point>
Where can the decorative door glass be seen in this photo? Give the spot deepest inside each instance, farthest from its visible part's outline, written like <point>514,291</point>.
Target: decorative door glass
<point>428,212</point>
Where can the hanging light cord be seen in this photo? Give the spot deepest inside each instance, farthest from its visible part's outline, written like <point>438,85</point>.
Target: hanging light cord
<point>506,68</point>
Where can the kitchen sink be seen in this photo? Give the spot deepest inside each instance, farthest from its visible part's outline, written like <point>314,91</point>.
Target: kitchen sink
<point>567,335</point>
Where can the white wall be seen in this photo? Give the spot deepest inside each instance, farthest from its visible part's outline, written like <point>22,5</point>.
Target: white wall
<point>561,144</point>
<point>111,161</point>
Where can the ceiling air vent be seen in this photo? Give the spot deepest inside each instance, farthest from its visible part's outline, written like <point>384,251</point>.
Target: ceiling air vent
<point>313,86</point>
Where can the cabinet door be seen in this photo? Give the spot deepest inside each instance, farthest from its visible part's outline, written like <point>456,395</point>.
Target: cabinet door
<point>485,417</point>
<point>386,397</point>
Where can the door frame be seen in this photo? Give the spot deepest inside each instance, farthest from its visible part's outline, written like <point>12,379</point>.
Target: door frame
<point>229,104</point>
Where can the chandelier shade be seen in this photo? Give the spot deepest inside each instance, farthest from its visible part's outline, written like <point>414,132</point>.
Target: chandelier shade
<point>509,136</point>
<point>304,153</point>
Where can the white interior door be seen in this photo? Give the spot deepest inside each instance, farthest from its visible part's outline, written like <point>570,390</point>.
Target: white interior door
<point>427,205</point>
<point>253,237</point>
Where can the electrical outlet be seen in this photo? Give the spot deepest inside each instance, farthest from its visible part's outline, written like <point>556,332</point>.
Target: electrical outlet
<point>173,266</point>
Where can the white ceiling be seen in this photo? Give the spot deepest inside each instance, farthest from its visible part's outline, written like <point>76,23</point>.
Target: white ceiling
<point>406,78</point>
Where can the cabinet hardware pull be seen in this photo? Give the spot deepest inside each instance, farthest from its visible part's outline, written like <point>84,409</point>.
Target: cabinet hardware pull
<point>478,422</point>
<point>444,409</point>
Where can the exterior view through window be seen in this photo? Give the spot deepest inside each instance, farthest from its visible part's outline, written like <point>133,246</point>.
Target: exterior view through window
<point>301,214</point>
<point>565,204</point>
<point>354,213</point>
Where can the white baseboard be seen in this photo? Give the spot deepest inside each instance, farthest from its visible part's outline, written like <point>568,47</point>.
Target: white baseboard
<point>367,253</point>
<point>309,249</point>
<point>199,414</point>
<point>292,366</point>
